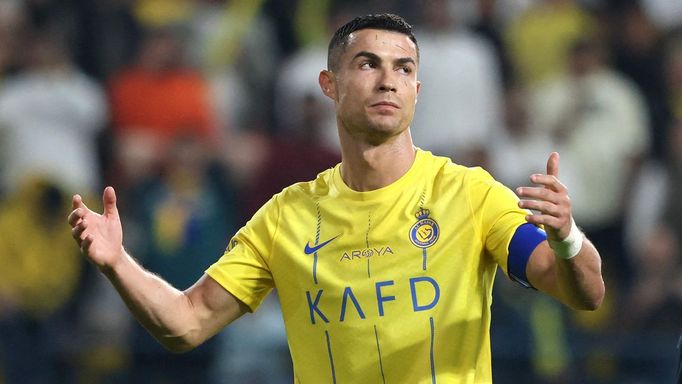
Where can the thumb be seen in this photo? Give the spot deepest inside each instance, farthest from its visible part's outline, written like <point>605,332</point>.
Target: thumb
<point>553,164</point>
<point>109,200</point>
<point>77,202</point>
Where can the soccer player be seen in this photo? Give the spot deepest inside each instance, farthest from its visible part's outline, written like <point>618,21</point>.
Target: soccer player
<point>384,264</point>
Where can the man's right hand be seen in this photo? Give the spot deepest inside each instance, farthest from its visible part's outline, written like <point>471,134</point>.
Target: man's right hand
<point>100,237</point>
<point>180,320</point>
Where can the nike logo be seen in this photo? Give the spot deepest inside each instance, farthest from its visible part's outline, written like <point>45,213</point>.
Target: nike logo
<point>308,249</point>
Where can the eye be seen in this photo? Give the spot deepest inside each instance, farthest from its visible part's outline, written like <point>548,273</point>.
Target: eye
<point>405,69</point>
<point>367,65</point>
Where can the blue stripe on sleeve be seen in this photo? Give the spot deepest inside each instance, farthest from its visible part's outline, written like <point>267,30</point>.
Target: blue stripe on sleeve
<point>526,238</point>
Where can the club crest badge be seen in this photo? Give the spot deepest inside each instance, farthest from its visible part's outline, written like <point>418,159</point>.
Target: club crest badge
<point>424,233</point>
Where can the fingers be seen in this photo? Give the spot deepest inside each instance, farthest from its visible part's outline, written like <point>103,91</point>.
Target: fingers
<point>78,231</point>
<point>82,237</point>
<point>75,216</point>
<point>80,210</point>
<point>549,182</point>
<point>549,199</point>
<point>109,200</point>
<point>542,206</point>
<point>78,219</point>
<point>538,193</point>
<point>548,221</point>
<point>545,200</point>
<point>553,164</point>
<point>86,243</point>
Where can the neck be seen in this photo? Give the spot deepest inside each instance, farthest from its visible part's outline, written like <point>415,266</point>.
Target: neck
<point>366,167</point>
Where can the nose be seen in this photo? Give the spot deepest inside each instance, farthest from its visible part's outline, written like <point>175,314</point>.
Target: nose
<point>387,82</point>
<point>387,87</point>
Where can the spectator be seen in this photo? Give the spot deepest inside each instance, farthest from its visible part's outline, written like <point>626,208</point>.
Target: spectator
<point>295,84</point>
<point>597,120</point>
<point>536,323</point>
<point>181,220</point>
<point>655,297</point>
<point>459,100</point>
<point>38,279</point>
<point>50,116</point>
<point>158,98</point>
<point>236,47</point>
<point>638,53</point>
<point>651,314</point>
<point>515,150</point>
<point>292,158</point>
<point>540,38</point>
<point>488,24</point>
<point>106,35</point>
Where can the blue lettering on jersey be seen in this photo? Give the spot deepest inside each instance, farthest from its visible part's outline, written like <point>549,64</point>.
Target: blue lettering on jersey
<point>346,294</point>
<point>413,290</point>
<point>313,307</point>
<point>380,298</point>
<point>421,284</point>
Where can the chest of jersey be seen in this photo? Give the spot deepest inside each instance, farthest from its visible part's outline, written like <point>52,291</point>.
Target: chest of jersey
<point>389,273</point>
<point>360,259</point>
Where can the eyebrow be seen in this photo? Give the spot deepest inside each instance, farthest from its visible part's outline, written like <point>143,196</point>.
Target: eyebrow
<point>375,57</point>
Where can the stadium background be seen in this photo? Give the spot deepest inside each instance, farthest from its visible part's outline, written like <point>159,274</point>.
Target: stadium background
<point>198,111</point>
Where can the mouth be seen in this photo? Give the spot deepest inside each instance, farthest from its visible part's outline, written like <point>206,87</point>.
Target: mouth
<point>386,104</point>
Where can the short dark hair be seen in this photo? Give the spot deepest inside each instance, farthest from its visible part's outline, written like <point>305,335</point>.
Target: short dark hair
<point>383,21</point>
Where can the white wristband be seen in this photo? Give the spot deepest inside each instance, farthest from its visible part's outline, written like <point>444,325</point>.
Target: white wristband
<point>569,246</point>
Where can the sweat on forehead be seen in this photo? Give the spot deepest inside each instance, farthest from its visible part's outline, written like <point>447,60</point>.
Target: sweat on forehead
<point>344,35</point>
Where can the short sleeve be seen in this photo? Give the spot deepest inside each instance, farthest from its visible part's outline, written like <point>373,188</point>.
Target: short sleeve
<point>499,216</point>
<point>243,269</point>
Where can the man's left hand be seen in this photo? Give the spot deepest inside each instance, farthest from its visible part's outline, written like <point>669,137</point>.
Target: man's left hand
<point>550,200</point>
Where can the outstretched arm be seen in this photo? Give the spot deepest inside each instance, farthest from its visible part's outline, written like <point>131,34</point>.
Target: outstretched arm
<point>574,279</point>
<point>179,320</point>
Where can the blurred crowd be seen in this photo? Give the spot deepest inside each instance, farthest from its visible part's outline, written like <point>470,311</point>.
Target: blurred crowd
<point>197,111</point>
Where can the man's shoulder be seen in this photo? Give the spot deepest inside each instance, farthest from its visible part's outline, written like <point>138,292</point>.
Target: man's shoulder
<point>444,167</point>
<point>320,186</point>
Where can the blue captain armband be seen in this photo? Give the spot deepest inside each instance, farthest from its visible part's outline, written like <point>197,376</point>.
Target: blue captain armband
<point>522,245</point>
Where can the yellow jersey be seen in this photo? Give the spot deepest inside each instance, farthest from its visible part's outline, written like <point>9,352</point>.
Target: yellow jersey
<point>387,286</point>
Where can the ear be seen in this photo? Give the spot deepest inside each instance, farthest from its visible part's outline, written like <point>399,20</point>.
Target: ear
<point>419,86</point>
<point>327,81</point>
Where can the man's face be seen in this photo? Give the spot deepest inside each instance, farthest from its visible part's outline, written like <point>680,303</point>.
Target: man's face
<point>376,84</point>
